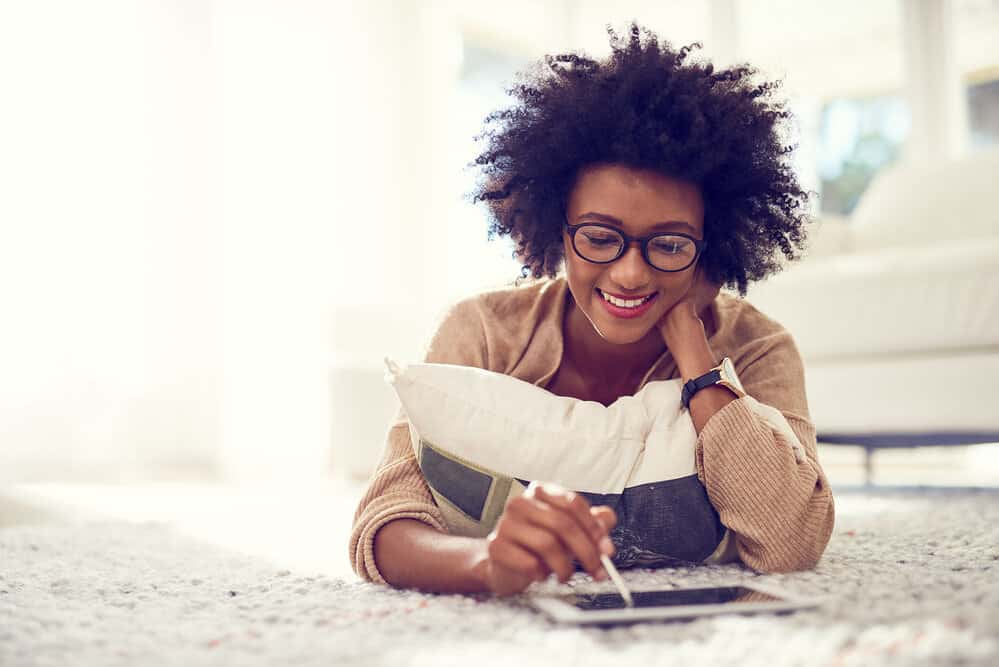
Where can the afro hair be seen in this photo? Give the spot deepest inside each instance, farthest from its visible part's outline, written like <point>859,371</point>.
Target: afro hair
<point>646,106</point>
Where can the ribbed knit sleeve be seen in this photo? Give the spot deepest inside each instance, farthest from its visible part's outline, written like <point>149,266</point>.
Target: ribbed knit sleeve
<point>397,488</point>
<point>781,510</point>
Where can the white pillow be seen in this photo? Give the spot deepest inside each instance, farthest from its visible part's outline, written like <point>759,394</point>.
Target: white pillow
<point>481,437</point>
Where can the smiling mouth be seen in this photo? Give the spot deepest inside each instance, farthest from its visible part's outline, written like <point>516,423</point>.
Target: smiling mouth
<point>625,303</point>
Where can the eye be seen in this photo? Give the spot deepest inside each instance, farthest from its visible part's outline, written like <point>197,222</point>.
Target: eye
<point>598,237</point>
<point>671,245</point>
<point>601,240</point>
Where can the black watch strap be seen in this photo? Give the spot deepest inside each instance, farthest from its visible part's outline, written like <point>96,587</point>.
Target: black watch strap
<point>697,384</point>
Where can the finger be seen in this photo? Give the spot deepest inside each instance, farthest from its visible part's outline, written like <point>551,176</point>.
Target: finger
<point>575,504</point>
<point>575,540</point>
<point>580,509</point>
<point>608,518</point>
<point>513,557</point>
<point>539,540</point>
<point>605,515</point>
<point>698,274</point>
<point>694,288</point>
<point>546,488</point>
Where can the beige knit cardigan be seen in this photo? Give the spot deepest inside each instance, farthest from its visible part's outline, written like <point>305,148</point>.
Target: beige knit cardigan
<point>779,511</point>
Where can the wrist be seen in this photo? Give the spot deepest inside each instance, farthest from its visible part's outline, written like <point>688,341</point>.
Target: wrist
<point>687,342</point>
<point>481,567</point>
<point>695,363</point>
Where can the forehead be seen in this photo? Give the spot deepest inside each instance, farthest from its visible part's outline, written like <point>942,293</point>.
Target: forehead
<point>638,198</point>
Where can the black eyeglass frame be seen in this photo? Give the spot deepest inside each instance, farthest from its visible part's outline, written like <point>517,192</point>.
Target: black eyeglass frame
<point>643,242</point>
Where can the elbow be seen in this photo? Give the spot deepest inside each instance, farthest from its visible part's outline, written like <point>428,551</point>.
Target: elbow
<point>795,550</point>
<point>361,551</point>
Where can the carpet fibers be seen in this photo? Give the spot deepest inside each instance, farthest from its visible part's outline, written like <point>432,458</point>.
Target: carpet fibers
<point>912,578</point>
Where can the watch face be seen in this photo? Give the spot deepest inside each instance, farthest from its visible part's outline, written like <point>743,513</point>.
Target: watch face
<point>728,374</point>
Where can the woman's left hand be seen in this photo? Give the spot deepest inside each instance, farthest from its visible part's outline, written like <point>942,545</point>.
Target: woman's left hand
<point>684,318</point>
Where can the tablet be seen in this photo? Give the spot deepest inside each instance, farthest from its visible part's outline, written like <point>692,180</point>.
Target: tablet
<point>608,607</point>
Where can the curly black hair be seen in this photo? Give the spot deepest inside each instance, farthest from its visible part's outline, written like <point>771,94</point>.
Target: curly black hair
<point>647,107</point>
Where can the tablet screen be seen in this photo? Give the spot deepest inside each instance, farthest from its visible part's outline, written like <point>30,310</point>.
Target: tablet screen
<point>671,598</point>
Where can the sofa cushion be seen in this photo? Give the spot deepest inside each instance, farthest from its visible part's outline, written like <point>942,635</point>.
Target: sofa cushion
<point>930,300</point>
<point>915,206</point>
<point>921,394</point>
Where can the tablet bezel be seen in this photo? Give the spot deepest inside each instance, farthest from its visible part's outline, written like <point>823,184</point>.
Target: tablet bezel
<point>564,612</point>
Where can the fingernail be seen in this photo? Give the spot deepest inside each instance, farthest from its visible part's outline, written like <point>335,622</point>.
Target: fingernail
<point>606,545</point>
<point>601,575</point>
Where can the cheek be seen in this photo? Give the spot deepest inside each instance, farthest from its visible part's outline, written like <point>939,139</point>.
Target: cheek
<point>676,285</point>
<point>577,270</point>
<point>672,283</point>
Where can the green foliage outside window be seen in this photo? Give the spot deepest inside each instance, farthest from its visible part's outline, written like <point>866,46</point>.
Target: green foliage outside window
<point>857,138</point>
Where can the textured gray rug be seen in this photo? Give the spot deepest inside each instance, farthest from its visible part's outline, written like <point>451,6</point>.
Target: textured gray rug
<point>914,579</point>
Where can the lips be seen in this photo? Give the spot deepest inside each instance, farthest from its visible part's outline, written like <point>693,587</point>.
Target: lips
<point>626,312</point>
<point>625,297</point>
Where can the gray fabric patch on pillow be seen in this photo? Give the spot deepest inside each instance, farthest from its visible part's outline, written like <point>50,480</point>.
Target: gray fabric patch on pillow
<point>466,488</point>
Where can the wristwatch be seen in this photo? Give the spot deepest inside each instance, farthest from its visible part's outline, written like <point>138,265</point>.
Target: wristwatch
<point>723,374</point>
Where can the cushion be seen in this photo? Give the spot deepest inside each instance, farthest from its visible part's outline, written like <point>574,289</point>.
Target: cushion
<point>913,205</point>
<point>481,438</point>
<point>935,300</point>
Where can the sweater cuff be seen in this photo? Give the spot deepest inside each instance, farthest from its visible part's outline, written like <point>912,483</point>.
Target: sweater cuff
<point>364,548</point>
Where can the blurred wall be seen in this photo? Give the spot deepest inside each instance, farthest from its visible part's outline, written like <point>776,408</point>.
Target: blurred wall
<point>110,239</point>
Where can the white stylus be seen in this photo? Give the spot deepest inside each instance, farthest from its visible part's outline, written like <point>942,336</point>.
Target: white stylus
<point>616,578</point>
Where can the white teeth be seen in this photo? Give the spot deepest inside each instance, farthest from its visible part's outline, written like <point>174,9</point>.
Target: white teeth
<point>621,303</point>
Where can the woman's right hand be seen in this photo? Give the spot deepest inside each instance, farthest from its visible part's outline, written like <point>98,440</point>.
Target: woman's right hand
<point>542,531</point>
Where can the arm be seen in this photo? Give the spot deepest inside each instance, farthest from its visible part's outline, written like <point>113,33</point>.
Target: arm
<point>683,332</point>
<point>411,554</point>
<point>539,533</point>
<point>400,536</point>
<point>781,511</point>
<point>397,489</point>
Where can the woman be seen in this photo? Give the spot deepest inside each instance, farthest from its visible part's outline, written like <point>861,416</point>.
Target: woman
<point>650,181</point>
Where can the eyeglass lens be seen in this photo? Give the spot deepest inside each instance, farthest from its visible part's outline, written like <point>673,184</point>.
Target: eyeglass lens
<point>669,252</point>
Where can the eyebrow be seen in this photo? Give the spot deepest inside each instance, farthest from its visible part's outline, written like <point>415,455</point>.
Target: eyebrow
<point>666,225</point>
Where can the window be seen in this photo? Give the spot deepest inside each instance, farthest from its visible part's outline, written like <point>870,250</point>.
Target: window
<point>485,75</point>
<point>857,137</point>
<point>976,24</point>
<point>983,114</point>
<point>843,74</point>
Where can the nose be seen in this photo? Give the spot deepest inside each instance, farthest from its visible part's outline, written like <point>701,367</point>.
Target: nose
<point>630,271</point>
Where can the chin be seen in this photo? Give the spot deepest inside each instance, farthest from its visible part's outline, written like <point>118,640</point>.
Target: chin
<point>619,333</point>
<point>618,338</point>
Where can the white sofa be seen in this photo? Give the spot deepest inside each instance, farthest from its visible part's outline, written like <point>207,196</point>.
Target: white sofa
<point>896,310</point>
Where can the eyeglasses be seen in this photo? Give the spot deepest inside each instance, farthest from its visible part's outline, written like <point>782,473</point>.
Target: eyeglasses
<point>603,244</point>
